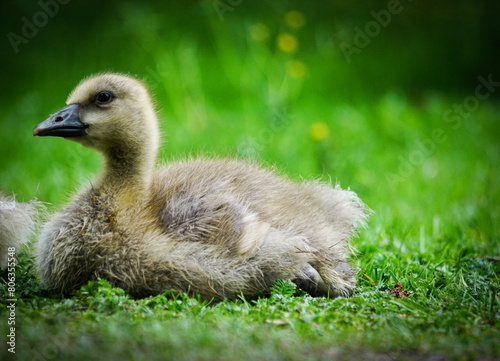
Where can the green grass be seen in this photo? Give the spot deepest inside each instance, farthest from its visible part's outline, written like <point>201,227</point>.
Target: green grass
<point>452,311</point>
<point>435,227</point>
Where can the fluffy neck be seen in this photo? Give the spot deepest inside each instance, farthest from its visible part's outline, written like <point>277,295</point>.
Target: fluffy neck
<point>129,166</point>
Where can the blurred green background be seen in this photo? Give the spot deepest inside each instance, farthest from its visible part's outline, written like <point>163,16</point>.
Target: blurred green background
<point>352,92</point>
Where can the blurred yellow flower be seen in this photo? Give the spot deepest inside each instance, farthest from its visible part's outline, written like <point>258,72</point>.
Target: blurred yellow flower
<point>259,32</point>
<point>319,131</point>
<point>287,43</point>
<point>296,69</point>
<point>295,19</point>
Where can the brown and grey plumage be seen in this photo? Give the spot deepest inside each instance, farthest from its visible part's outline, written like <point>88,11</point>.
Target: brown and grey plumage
<point>217,227</point>
<point>17,225</point>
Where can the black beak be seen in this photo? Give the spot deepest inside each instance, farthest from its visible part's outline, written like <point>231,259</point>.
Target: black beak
<point>65,123</point>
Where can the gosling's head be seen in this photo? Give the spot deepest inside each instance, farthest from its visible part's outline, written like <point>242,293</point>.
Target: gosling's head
<point>106,112</point>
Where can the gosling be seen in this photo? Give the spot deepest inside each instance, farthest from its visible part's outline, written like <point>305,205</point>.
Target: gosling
<point>220,228</point>
<point>17,225</point>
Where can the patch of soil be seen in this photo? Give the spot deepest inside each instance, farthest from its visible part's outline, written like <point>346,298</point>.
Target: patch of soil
<point>398,291</point>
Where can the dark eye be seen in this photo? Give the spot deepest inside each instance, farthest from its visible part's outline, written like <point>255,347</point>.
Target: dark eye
<point>103,97</point>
